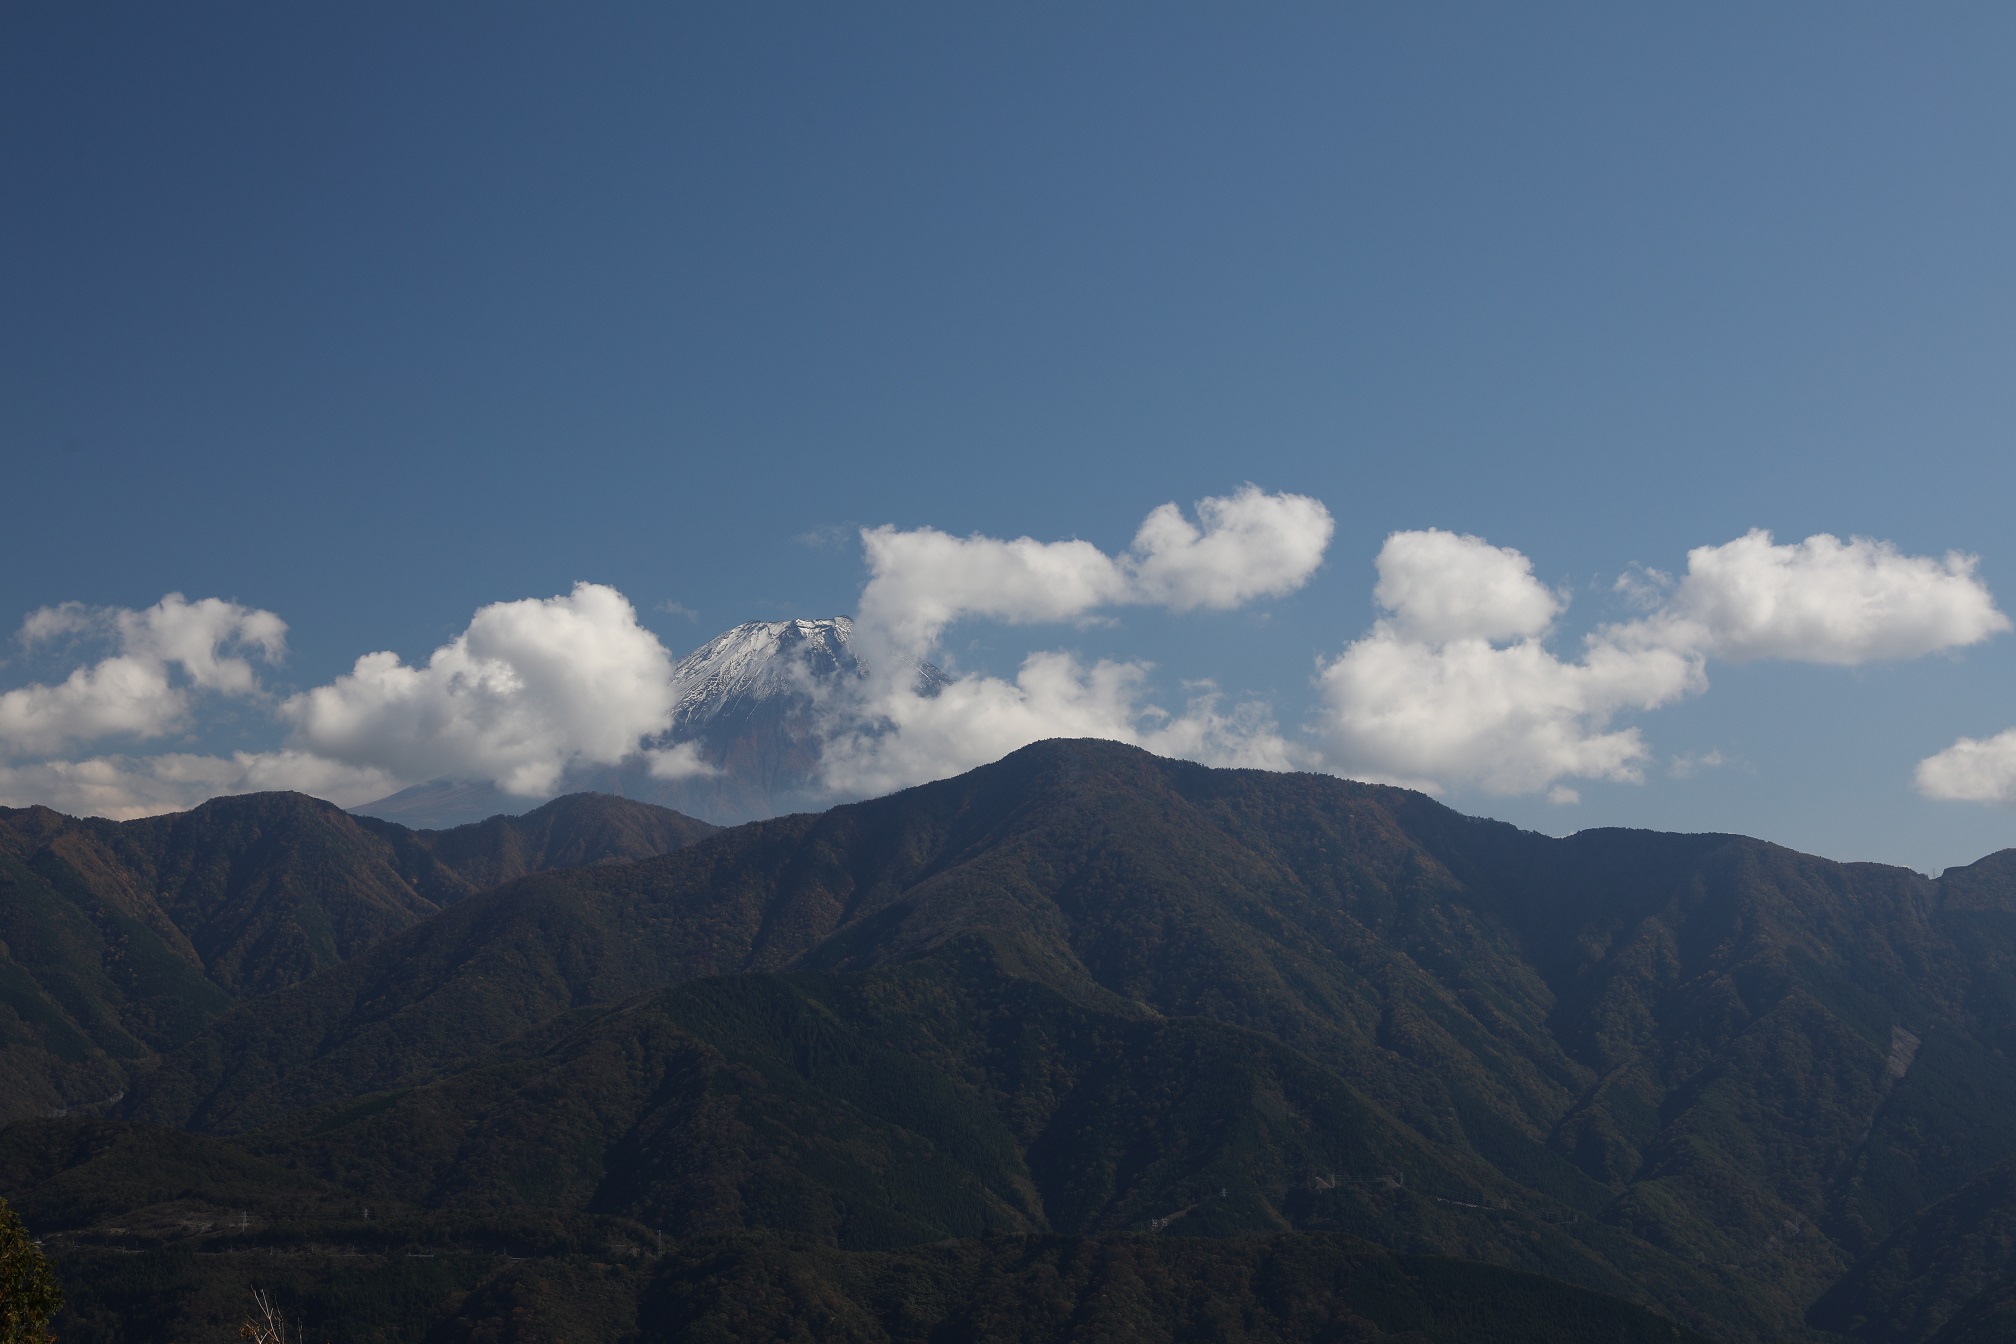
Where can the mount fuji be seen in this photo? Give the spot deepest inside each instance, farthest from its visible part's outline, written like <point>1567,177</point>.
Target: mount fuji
<point>747,699</point>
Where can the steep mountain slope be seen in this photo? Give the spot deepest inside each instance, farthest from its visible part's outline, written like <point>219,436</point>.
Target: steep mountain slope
<point>574,830</point>
<point>1276,1290</point>
<point>121,939</point>
<point>1929,1269</point>
<point>272,887</point>
<point>943,1097</point>
<point>860,1067</point>
<point>159,1235</point>
<point>1756,1061</point>
<point>1987,1318</point>
<point>162,1235</point>
<point>91,985</point>
<point>63,1175</point>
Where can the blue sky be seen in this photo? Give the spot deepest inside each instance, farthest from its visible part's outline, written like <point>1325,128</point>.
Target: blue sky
<point>370,317</point>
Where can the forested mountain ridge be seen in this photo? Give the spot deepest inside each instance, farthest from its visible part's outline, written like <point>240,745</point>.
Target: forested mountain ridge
<point>1752,1062</point>
<point>121,939</point>
<point>1088,992</point>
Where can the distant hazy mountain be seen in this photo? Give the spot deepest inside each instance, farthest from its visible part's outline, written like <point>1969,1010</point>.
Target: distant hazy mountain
<point>441,803</point>
<point>746,700</point>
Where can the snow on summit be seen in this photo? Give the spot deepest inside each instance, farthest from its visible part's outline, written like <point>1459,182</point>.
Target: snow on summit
<point>760,660</point>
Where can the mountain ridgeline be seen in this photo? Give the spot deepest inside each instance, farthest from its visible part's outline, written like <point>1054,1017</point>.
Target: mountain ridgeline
<point>120,940</point>
<point>1159,1050</point>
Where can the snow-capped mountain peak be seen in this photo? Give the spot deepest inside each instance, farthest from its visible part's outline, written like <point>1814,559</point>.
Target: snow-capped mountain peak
<point>761,660</point>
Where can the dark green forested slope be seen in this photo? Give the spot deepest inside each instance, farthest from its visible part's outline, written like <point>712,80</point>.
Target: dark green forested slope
<point>119,940</point>
<point>1989,1317</point>
<point>94,980</point>
<point>939,1097</point>
<point>1087,991</point>
<point>1273,1290</point>
<point>1756,1061</point>
<point>162,1235</point>
<point>1929,1269</point>
<point>1109,881</point>
<point>569,832</point>
<point>159,1235</point>
<point>273,887</point>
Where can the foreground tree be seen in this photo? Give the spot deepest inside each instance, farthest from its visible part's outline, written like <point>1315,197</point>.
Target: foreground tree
<point>28,1292</point>
<point>267,1326</point>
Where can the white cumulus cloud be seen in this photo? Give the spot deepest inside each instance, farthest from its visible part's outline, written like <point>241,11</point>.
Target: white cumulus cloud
<point>1242,546</point>
<point>529,688</point>
<point>1972,770</point>
<point>1454,684</point>
<point>888,732</point>
<point>143,690</point>
<point>921,581</point>
<point>1439,586</point>
<point>900,737</point>
<point>1462,679</point>
<point>113,697</point>
<point>123,787</point>
<point>1824,600</point>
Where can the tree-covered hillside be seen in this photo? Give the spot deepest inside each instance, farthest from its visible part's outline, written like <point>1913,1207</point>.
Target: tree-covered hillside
<point>120,940</point>
<point>1088,992</point>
